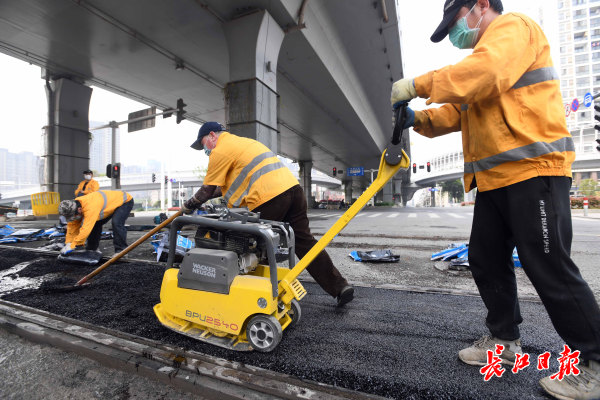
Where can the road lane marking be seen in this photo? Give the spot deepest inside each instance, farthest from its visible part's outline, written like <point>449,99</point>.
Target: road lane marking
<point>586,219</point>
<point>471,214</point>
<point>375,215</point>
<point>455,215</point>
<point>412,215</point>
<point>393,215</point>
<point>431,215</point>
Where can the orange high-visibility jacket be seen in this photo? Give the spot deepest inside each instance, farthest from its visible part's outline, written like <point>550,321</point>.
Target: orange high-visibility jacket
<point>92,186</point>
<point>95,207</point>
<point>506,100</point>
<point>248,173</point>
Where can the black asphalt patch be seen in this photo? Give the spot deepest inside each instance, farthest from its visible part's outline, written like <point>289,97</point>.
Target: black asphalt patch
<point>396,344</point>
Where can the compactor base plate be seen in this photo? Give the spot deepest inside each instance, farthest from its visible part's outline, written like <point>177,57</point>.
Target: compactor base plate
<point>198,332</point>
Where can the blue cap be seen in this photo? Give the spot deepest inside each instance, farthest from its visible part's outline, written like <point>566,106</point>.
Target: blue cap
<point>205,129</point>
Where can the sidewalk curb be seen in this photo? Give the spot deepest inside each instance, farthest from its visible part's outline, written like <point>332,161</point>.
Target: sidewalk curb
<point>197,373</point>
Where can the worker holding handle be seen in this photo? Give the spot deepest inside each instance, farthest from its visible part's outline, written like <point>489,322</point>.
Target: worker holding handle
<point>505,98</point>
<point>247,174</point>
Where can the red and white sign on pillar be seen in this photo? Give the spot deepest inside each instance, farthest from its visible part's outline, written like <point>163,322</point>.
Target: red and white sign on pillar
<point>585,206</point>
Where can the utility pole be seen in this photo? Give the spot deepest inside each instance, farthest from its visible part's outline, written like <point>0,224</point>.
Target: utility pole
<point>114,183</point>
<point>169,183</point>
<point>162,180</point>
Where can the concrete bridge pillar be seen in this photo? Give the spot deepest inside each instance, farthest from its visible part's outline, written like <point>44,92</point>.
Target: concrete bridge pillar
<point>67,137</point>
<point>348,191</point>
<point>398,192</point>
<point>388,192</point>
<point>305,178</point>
<point>251,98</point>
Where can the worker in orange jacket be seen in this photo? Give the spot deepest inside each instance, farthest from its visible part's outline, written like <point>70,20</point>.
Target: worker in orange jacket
<point>87,214</point>
<point>247,174</point>
<point>505,98</point>
<point>87,185</point>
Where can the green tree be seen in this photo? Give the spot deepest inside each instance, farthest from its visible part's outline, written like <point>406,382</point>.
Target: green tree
<point>200,172</point>
<point>588,187</point>
<point>454,189</point>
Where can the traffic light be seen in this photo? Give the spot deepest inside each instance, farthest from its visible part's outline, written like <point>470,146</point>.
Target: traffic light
<point>153,178</point>
<point>334,171</point>
<point>166,179</point>
<point>116,171</point>
<point>428,167</point>
<point>180,110</point>
<point>414,168</point>
<point>109,170</point>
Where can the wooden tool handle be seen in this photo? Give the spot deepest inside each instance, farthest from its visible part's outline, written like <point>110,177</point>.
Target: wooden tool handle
<point>128,249</point>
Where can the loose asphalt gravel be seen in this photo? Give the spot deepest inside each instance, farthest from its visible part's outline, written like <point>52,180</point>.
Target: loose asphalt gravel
<point>396,344</point>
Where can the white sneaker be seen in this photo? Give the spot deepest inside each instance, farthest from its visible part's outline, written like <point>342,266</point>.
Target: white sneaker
<point>585,386</point>
<point>477,354</point>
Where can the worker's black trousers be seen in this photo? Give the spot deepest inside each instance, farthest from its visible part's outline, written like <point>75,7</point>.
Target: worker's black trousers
<point>534,216</point>
<point>290,206</point>
<point>119,216</point>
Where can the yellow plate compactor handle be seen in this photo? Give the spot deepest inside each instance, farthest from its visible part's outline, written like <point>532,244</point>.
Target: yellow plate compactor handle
<point>386,172</point>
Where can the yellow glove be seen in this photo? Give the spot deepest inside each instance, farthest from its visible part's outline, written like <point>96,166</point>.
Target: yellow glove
<point>403,90</point>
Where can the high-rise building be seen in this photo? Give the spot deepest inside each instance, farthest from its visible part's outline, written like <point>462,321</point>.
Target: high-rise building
<point>152,166</point>
<point>101,147</point>
<point>23,168</point>
<point>577,40</point>
<point>579,64</point>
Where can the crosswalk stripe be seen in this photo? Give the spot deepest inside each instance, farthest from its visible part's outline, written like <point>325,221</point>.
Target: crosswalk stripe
<point>471,214</point>
<point>455,215</point>
<point>431,215</point>
<point>375,215</point>
<point>412,215</point>
<point>393,215</point>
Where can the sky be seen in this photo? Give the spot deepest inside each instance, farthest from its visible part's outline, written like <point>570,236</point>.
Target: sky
<point>25,103</point>
<point>26,114</point>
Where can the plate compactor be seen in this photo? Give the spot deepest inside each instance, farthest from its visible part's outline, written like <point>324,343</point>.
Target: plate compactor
<point>229,291</point>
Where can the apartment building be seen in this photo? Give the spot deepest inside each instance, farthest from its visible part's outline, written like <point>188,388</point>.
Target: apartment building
<point>579,65</point>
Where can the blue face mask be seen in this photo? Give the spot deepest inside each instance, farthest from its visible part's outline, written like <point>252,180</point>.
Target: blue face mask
<point>207,151</point>
<point>461,35</point>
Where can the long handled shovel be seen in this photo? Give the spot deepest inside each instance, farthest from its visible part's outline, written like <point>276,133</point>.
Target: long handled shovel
<point>82,282</point>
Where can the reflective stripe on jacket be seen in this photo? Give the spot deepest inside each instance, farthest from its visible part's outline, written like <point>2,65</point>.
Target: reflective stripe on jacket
<point>248,173</point>
<point>506,100</point>
<point>92,186</point>
<point>95,206</point>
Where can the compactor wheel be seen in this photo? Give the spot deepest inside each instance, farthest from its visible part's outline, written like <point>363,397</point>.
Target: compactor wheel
<point>295,313</point>
<point>264,333</point>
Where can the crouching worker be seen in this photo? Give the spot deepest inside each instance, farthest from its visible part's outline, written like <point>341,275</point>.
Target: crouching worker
<point>87,215</point>
<point>247,174</point>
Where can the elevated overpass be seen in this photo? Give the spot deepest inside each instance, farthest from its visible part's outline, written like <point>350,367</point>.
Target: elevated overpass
<point>309,79</point>
<point>450,166</point>
<point>143,182</point>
